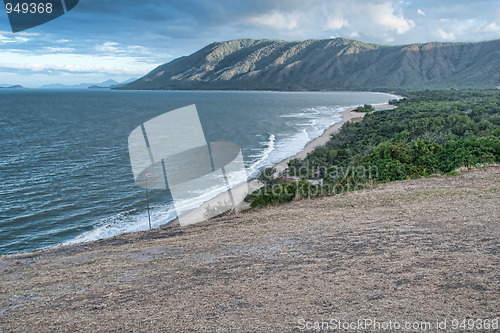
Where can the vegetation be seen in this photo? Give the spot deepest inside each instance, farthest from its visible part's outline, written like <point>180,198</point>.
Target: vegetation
<point>286,192</point>
<point>365,108</point>
<point>269,178</point>
<point>429,132</point>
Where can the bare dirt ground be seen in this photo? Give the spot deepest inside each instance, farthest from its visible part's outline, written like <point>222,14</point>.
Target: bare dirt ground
<point>414,251</point>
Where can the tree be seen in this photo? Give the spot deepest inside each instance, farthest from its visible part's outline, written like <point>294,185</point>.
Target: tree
<point>365,108</point>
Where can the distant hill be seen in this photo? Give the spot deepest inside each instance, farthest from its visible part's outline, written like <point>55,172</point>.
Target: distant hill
<point>121,84</point>
<point>105,84</point>
<point>65,86</point>
<point>331,64</point>
<point>112,84</point>
<point>17,86</point>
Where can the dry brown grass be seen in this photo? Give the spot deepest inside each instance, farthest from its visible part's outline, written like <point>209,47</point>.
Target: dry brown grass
<point>421,250</point>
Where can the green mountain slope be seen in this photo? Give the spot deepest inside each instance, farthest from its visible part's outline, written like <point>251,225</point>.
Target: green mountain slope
<point>331,64</point>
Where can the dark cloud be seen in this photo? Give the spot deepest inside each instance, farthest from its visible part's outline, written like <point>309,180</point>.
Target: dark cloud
<point>170,24</point>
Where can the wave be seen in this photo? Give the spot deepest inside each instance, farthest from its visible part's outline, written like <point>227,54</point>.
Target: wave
<point>116,225</point>
<point>252,169</point>
<point>134,220</point>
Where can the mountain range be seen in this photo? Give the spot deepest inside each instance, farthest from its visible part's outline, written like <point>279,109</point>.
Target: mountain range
<point>330,64</point>
<point>105,84</point>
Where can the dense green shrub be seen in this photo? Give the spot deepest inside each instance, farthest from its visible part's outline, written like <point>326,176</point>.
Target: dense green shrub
<point>469,152</point>
<point>286,193</point>
<point>430,131</point>
<point>364,108</point>
<point>399,161</point>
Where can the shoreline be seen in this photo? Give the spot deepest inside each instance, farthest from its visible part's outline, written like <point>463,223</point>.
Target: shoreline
<point>347,116</point>
<point>321,140</point>
<point>253,184</point>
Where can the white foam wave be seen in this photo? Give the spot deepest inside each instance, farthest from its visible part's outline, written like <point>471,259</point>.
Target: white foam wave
<point>320,118</point>
<point>126,222</point>
<point>160,215</point>
<point>264,156</point>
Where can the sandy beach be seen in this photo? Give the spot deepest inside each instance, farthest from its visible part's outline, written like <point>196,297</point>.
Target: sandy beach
<point>347,116</point>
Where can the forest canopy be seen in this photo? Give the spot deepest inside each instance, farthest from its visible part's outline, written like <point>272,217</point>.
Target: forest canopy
<point>429,132</point>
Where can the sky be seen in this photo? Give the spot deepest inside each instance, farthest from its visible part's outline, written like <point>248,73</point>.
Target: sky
<point>122,39</point>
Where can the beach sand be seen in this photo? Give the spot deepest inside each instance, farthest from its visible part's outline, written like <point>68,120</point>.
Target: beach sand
<point>347,116</point>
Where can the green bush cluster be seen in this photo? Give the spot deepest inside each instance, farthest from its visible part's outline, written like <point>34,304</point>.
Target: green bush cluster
<point>365,108</point>
<point>287,192</point>
<point>398,161</point>
<point>430,131</point>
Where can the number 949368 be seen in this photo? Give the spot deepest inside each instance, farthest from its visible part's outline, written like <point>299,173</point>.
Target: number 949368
<point>29,8</point>
<point>475,324</point>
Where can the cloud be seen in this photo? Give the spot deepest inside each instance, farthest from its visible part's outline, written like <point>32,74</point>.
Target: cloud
<point>73,63</point>
<point>13,39</point>
<point>22,33</point>
<point>182,27</point>
<point>75,69</point>
<point>384,14</point>
<point>136,49</point>
<point>446,35</point>
<point>336,23</point>
<point>492,27</point>
<point>117,50</point>
<point>108,47</point>
<point>51,49</point>
<point>276,20</point>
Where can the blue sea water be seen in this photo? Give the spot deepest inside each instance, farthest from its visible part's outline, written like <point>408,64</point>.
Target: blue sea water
<point>65,174</point>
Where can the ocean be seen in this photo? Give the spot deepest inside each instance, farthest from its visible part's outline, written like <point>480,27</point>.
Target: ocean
<point>65,174</point>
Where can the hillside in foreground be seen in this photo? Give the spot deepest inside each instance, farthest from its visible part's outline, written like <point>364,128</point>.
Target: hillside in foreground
<point>330,64</point>
<point>409,251</point>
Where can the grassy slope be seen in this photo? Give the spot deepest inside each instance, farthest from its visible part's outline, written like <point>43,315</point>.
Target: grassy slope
<point>418,250</point>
